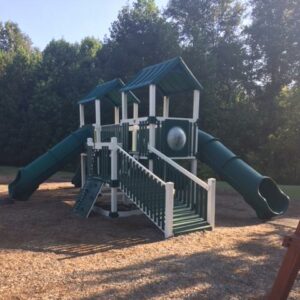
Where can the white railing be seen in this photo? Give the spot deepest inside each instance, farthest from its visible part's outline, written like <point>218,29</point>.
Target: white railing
<point>210,186</point>
<point>179,167</point>
<point>169,194</point>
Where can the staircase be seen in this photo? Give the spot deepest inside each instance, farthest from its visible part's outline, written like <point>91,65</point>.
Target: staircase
<point>88,196</point>
<point>186,220</point>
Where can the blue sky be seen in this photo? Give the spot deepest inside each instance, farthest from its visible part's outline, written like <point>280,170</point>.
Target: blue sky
<point>43,20</point>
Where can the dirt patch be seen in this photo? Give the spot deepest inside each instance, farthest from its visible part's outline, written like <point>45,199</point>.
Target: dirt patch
<point>48,253</point>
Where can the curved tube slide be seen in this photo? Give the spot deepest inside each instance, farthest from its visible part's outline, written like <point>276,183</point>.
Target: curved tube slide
<point>260,192</point>
<point>30,177</point>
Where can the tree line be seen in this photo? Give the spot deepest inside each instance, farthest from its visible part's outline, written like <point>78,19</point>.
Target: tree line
<point>246,54</point>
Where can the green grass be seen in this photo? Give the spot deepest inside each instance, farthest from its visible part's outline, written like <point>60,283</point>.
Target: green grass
<point>293,191</point>
<point>12,171</point>
<point>8,171</point>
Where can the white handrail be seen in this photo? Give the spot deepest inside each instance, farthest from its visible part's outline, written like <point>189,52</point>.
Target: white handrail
<point>179,167</point>
<point>141,166</point>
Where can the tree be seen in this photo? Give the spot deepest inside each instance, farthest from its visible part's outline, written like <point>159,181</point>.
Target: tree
<point>280,155</point>
<point>66,73</point>
<point>139,37</point>
<point>12,39</point>
<point>209,33</point>
<point>273,39</point>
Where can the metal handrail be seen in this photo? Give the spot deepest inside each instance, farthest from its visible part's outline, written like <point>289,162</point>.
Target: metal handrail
<point>179,168</point>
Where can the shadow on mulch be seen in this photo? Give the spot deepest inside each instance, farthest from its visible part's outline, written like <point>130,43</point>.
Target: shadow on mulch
<point>46,223</point>
<point>172,273</point>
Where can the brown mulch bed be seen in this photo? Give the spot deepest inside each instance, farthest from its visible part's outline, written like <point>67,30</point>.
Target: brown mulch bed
<point>48,253</point>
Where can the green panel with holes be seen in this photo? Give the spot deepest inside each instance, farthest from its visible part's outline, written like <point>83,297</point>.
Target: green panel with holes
<point>166,128</point>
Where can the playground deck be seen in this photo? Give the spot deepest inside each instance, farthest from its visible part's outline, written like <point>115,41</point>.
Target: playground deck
<point>48,253</point>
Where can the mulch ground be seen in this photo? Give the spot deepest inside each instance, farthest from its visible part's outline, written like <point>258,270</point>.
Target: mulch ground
<point>48,253</point>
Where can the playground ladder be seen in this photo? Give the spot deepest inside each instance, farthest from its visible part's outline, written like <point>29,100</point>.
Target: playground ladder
<point>88,196</point>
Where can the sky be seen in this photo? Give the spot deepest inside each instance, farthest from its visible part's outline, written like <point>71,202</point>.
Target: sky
<point>44,20</point>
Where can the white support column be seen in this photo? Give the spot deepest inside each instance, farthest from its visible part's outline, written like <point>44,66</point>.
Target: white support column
<point>114,177</point>
<point>196,105</point>
<point>194,165</point>
<point>169,209</point>
<point>166,107</point>
<point>83,168</point>
<point>124,106</point>
<point>98,120</point>
<point>117,115</point>
<point>211,202</point>
<point>81,115</point>
<point>152,113</point>
<point>134,129</point>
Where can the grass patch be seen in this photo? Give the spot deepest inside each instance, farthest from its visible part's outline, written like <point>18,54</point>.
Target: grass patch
<point>12,171</point>
<point>293,191</point>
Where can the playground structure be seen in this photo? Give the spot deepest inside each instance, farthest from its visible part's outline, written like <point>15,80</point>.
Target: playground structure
<point>141,156</point>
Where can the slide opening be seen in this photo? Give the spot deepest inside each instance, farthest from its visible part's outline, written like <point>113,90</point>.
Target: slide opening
<point>275,198</point>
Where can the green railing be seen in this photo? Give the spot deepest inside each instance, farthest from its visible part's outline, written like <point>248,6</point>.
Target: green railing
<point>190,190</point>
<point>109,131</point>
<point>98,163</point>
<point>145,189</point>
<point>143,138</point>
<point>120,131</point>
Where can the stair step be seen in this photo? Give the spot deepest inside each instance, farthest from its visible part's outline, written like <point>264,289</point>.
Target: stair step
<point>187,221</point>
<point>192,229</point>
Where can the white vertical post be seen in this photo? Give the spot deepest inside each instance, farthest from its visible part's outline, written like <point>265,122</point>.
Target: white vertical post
<point>211,202</point>
<point>83,168</point>
<point>114,177</point>
<point>169,209</point>
<point>134,128</point>
<point>117,115</point>
<point>124,106</point>
<point>81,115</point>
<point>152,109</point>
<point>135,111</point>
<point>98,120</point>
<point>166,107</point>
<point>194,165</point>
<point>196,105</point>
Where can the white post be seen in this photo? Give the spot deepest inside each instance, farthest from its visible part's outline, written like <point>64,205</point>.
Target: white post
<point>152,109</point>
<point>196,105</point>
<point>81,115</point>
<point>83,168</point>
<point>117,115</point>
<point>98,120</point>
<point>169,209</point>
<point>134,128</point>
<point>135,111</point>
<point>124,106</point>
<point>211,202</point>
<point>194,165</point>
<point>166,107</point>
<point>114,177</point>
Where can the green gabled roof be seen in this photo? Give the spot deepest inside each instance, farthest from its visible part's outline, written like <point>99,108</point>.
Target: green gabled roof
<point>109,90</point>
<point>171,76</point>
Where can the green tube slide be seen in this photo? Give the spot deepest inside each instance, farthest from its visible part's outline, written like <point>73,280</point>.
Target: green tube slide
<point>260,192</point>
<point>30,177</point>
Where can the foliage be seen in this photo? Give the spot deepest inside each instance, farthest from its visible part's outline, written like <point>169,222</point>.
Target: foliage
<point>245,53</point>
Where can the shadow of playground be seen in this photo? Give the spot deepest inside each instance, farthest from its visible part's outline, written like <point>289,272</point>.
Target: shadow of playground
<point>205,275</point>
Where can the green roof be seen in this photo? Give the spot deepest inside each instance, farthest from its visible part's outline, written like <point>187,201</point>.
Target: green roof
<point>109,90</point>
<point>171,76</point>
